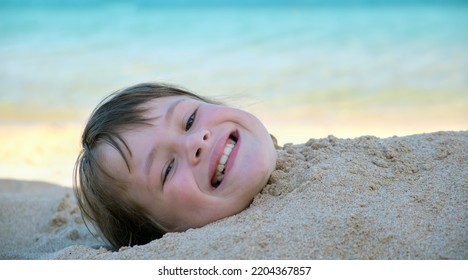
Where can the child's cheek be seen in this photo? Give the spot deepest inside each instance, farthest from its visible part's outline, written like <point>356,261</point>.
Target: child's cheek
<point>185,195</point>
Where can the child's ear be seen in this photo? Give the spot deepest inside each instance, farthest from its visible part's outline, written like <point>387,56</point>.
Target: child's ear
<point>275,141</point>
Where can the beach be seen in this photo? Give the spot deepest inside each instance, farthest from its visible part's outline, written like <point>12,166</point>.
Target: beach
<point>329,198</point>
<point>43,151</point>
<point>306,71</point>
<point>367,100</point>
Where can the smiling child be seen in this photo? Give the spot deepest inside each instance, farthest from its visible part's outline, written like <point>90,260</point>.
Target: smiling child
<point>156,158</point>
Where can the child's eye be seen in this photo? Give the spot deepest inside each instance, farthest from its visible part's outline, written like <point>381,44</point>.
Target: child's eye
<point>168,170</point>
<point>190,121</point>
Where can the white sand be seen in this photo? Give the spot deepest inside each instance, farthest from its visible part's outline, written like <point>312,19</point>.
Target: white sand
<point>362,198</point>
<point>37,219</point>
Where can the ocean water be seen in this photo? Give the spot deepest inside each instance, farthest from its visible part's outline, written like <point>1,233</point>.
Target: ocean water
<point>320,64</point>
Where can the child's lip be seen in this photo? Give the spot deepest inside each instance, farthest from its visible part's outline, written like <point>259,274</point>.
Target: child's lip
<point>216,156</point>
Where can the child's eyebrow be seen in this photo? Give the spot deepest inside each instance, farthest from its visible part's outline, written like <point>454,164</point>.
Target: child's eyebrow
<point>171,109</point>
<point>149,160</point>
<point>151,155</point>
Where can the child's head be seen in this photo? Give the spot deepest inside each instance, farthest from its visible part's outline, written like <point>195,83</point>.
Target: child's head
<point>157,158</point>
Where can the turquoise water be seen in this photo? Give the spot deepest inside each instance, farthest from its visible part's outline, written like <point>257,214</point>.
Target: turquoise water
<point>59,60</point>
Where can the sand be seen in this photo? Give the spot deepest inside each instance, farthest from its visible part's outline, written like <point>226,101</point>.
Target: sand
<point>330,198</point>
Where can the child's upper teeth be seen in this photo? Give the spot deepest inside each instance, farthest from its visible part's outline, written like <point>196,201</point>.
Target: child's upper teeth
<point>222,162</point>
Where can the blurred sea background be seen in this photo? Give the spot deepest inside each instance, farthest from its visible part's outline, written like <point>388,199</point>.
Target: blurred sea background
<point>307,69</point>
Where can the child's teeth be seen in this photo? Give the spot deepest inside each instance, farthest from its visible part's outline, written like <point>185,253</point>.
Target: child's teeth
<point>227,151</point>
<point>228,148</point>
<point>223,159</point>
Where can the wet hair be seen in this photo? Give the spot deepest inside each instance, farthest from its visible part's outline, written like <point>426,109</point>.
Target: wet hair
<point>120,221</point>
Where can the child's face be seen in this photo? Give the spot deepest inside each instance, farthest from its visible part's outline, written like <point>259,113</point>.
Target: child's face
<point>174,163</point>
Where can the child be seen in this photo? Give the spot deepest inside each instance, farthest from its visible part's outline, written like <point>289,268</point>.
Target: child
<point>156,158</point>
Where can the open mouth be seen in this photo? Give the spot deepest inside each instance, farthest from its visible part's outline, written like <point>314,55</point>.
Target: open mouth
<point>218,176</point>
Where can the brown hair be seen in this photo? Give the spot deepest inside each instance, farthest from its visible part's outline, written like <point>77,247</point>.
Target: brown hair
<point>117,219</point>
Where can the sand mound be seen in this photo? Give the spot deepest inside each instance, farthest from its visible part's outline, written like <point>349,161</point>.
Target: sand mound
<point>38,219</point>
<point>362,198</point>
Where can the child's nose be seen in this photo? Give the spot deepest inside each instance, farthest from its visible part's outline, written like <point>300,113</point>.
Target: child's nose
<point>197,144</point>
